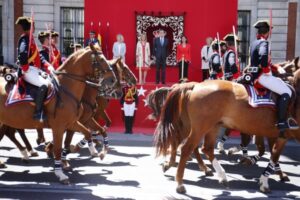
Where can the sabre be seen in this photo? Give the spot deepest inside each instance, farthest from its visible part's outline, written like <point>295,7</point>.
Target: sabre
<point>219,47</point>
<point>31,32</point>
<point>270,33</point>
<point>236,49</point>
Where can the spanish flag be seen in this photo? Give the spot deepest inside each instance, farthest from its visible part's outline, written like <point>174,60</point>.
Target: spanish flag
<point>99,37</point>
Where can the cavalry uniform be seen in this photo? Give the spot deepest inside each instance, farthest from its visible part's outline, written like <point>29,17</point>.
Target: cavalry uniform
<point>55,57</point>
<point>215,67</point>
<point>44,52</point>
<point>262,74</point>
<point>129,101</point>
<point>30,63</point>
<point>231,70</point>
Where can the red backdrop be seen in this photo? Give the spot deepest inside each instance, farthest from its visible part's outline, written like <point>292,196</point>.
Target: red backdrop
<point>203,18</point>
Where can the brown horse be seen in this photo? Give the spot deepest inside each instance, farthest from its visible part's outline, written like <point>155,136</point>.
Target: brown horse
<point>75,73</point>
<point>156,100</point>
<point>201,110</point>
<point>92,112</point>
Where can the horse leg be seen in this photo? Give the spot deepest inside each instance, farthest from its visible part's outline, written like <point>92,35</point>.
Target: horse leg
<point>208,150</point>
<point>77,126</point>
<point>223,139</point>
<point>245,141</point>
<point>187,149</point>
<point>171,163</point>
<point>66,150</point>
<point>57,141</point>
<point>276,152</point>
<point>260,145</point>
<point>41,138</point>
<point>283,176</point>
<point>94,125</point>
<point>10,133</point>
<point>202,165</point>
<point>27,143</point>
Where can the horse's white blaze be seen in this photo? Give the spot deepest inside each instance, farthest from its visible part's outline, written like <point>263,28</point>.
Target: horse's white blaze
<point>59,173</point>
<point>219,169</point>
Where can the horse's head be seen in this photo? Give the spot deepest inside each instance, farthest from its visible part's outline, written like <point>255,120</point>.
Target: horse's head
<point>127,75</point>
<point>155,100</point>
<point>101,71</point>
<point>292,66</point>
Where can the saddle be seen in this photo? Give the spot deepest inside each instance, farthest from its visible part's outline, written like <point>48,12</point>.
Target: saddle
<point>21,91</point>
<point>260,96</point>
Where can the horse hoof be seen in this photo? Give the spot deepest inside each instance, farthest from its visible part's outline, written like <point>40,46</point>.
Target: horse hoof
<point>181,189</point>
<point>246,161</point>
<point>222,151</point>
<point>285,179</point>
<point>101,156</point>
<point>34,154</point>
<point>2,166</point>
<point>39,141</point>
<point>165,167</point>
<point>65,182</point>
<point>25,160</point>
<point>265,189</point>
<point>66,166</point>
<point>224,182</point>
<point>209,173</point>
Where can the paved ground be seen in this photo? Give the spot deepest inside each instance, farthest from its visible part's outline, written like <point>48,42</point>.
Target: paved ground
<point>131,171</point>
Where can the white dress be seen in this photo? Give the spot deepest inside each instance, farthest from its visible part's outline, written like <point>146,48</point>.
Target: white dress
<point>143,55</point>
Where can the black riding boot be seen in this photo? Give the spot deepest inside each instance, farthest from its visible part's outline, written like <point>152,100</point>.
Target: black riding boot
<point>282,109</point>
<point>126,121</point>
<point>39,101</point>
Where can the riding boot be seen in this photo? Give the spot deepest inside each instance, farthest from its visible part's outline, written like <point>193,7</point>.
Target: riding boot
<point>130,125</point>
<point>39,101</point>
<point>282,109</point>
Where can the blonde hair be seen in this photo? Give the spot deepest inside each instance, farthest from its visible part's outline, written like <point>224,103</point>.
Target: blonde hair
<point>121,37</point>
<point>144,34</point>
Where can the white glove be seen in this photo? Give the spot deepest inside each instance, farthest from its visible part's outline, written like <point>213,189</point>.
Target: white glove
<point>51,68</point>
<point>281,70</point>
<point>44,75</point>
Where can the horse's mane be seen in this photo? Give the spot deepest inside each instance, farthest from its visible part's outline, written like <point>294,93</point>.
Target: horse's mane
<point>72,58</point>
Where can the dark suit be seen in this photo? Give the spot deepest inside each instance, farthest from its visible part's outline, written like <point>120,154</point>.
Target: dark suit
<point>88,41</point>
<point>160,51</point>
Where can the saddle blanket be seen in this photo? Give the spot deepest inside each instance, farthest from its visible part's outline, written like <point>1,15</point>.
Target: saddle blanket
<point>14,95</point>
<point>256,100</point>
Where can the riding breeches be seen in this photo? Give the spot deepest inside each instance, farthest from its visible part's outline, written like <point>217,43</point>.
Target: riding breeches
<point>274,84</point>
<point>34,77</point>
<point>129,109</point>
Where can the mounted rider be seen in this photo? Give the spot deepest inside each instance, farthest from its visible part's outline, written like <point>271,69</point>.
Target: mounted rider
<point>261,70</point>
<point>215,67</point>
<point>43,37</point>
<point>231,70</point>
<point>30,63</point>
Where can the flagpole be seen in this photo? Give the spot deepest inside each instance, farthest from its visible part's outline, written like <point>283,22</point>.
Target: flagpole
<point>107,40</point>
<point>236,49</point>
<point>31,31</point>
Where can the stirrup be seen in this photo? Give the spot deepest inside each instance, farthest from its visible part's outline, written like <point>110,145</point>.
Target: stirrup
<point>292,123</point>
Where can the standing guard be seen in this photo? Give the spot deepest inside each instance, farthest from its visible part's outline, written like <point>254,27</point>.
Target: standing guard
<point>215,67</point>
<point>129,101</point>
<point>231,70</point>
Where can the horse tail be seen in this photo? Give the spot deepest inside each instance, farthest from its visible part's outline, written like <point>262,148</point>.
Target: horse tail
<point>167,132</point>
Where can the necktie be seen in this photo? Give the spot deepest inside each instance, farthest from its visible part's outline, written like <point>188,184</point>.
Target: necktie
<point>161,41</point>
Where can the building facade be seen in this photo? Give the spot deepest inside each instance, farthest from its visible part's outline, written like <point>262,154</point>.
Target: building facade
<point>67,17</point>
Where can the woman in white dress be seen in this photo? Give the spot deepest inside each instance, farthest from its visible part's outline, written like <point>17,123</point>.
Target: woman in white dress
<point>119,48</point>
<point>143,58</point>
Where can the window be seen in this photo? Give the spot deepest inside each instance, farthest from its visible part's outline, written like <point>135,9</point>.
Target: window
<point>244,36</point>
<point>71,28</point>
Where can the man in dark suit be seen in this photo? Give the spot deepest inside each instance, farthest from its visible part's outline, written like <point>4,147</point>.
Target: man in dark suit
<point>92,39</point>
<point>160,51</point>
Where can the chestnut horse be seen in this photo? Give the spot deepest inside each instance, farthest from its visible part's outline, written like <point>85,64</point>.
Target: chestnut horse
<point>156,100</point>
<point>206,107</point>
<point>92,112</point>
<point>73,76</point>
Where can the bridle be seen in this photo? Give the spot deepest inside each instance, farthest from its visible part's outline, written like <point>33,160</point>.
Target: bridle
<point>95,80</point>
